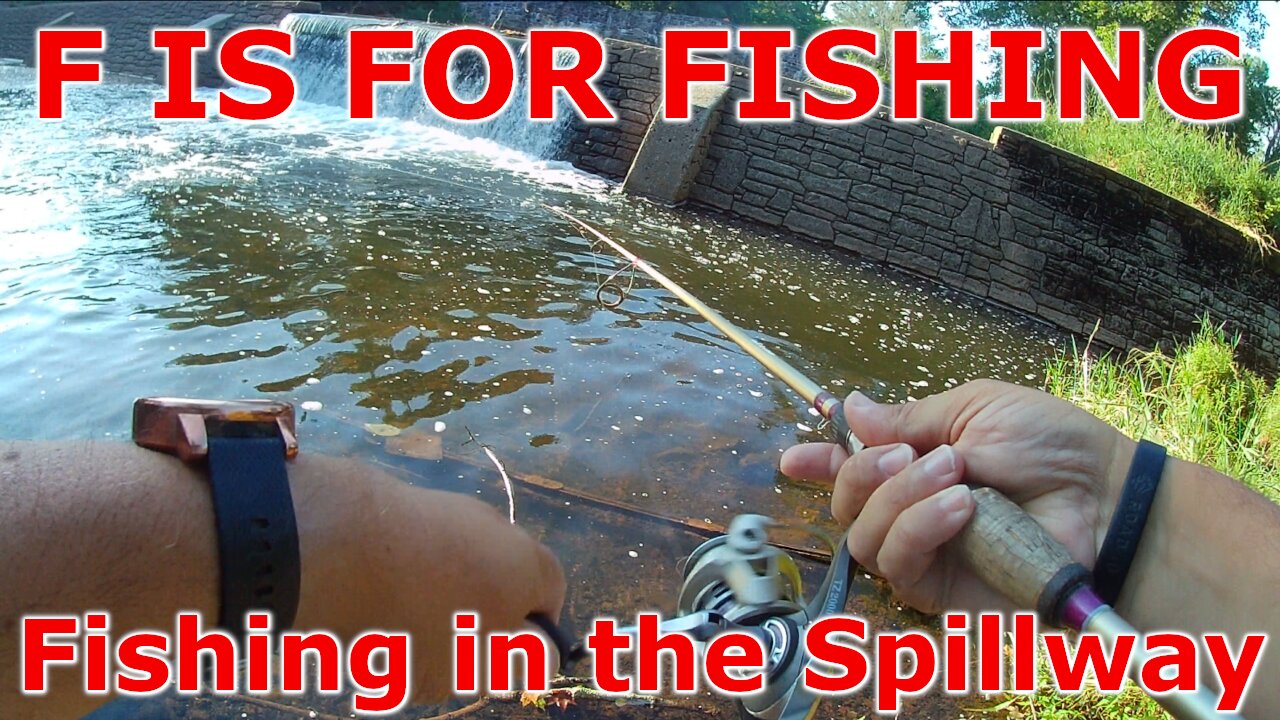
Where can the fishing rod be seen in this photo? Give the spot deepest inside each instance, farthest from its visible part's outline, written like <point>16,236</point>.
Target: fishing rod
<point>1002,544</point>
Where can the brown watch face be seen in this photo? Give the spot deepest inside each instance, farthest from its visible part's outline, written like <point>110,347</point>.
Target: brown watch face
<point>178,425</point>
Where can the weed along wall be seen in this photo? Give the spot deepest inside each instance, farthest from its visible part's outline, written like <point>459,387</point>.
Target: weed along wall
<point>1015,221</point>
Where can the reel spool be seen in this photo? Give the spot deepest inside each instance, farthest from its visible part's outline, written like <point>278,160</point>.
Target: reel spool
<point>746,582</point>
<point>739,576</point>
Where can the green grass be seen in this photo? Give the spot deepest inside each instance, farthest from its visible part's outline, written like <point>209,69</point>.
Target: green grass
<point>1203,406</point>
<point>1179,159</point>
<point>1046,704</point>
<point>1197,401</point>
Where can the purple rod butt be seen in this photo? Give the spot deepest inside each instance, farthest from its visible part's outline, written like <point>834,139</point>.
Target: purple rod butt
<point>1082,603</point>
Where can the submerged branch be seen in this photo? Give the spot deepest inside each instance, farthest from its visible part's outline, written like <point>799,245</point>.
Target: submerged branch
<point>506,483</point>
<point>502,471</point>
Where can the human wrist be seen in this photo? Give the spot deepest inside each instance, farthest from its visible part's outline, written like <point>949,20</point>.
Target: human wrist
<point>1111,486</point>
<point>1163,545</point>
<point>333,502</point>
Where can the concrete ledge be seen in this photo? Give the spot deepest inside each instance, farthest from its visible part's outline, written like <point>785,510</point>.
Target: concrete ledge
<point>671,153</point>
<point>212,21</point>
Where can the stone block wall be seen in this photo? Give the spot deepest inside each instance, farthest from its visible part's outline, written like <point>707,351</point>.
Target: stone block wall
<point>632,85</point>
<point>129,25</point>
<point>639,26</point>
<point>1013,220</point>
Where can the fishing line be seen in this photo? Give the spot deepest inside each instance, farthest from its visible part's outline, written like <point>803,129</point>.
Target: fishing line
<point>610,284</point>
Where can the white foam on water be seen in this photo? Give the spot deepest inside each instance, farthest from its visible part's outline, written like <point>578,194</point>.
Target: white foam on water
<point>384,139</point>
<point>320,69</point>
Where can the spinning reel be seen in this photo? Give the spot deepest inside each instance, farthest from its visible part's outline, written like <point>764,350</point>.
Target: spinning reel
<point>738,581</point>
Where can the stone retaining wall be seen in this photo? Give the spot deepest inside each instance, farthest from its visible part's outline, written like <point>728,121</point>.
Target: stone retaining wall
<point>1014,220</point>
<point>638,26</point>
<point>129,25</point>
<point>632,86</point>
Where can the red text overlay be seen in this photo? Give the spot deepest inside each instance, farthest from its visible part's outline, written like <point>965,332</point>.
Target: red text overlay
<point>258,57</point>
<point>844,657</point>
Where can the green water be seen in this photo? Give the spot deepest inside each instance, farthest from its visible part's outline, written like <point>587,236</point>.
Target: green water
<point>399,274</point>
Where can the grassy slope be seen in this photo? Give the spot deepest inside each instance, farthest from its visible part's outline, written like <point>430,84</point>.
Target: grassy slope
<point>1199,404</point>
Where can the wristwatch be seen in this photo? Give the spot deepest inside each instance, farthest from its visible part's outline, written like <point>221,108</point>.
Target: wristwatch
<point>244,444</point>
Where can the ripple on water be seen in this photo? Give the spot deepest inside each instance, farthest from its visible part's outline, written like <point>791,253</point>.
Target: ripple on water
<point>417,279</point>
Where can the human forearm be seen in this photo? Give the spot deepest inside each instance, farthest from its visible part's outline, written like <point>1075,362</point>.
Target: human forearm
<point>1209,562</point>
<point>110,526</point>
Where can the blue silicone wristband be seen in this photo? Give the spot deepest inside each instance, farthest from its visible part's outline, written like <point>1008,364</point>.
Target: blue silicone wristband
<point>1128,522</point>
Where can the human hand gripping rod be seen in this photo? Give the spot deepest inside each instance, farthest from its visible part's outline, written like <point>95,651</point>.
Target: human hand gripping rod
<point>1002,544</point>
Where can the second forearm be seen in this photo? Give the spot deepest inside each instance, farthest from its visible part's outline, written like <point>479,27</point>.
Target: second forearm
<point>1206,564</point>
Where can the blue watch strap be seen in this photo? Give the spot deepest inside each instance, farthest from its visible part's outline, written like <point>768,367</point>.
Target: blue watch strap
<point>257,532</point>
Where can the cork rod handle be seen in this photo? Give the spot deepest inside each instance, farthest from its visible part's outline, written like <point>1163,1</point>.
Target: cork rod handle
<point>1012,553</point>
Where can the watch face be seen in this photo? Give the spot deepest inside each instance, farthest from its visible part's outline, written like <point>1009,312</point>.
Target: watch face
<point>181,426</point>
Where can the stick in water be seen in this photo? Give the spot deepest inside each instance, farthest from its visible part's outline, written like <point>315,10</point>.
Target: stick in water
<point>506,481</point>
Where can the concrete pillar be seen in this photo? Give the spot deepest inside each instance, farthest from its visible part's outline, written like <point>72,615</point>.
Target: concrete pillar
<point>208,75</point>
<point>671,153</point>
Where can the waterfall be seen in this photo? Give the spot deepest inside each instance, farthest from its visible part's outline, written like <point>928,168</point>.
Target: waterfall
<point>320,68</point>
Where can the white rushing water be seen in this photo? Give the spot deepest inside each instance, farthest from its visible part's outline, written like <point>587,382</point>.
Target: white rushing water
<point>320,67</point>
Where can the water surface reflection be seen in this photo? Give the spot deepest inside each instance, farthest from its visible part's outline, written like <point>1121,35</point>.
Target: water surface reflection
<point>402,276</point>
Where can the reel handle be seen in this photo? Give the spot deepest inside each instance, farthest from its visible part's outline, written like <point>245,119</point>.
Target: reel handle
<point>1005,547</point>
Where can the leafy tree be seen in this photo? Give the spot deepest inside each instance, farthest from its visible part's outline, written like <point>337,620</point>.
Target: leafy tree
<point>882,18</point>
<point>1260,127</point>
<point>1271,149</point>
<point>1159,19</point>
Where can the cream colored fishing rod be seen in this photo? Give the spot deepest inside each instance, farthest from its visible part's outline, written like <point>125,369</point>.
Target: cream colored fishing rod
<point>823,401</point>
